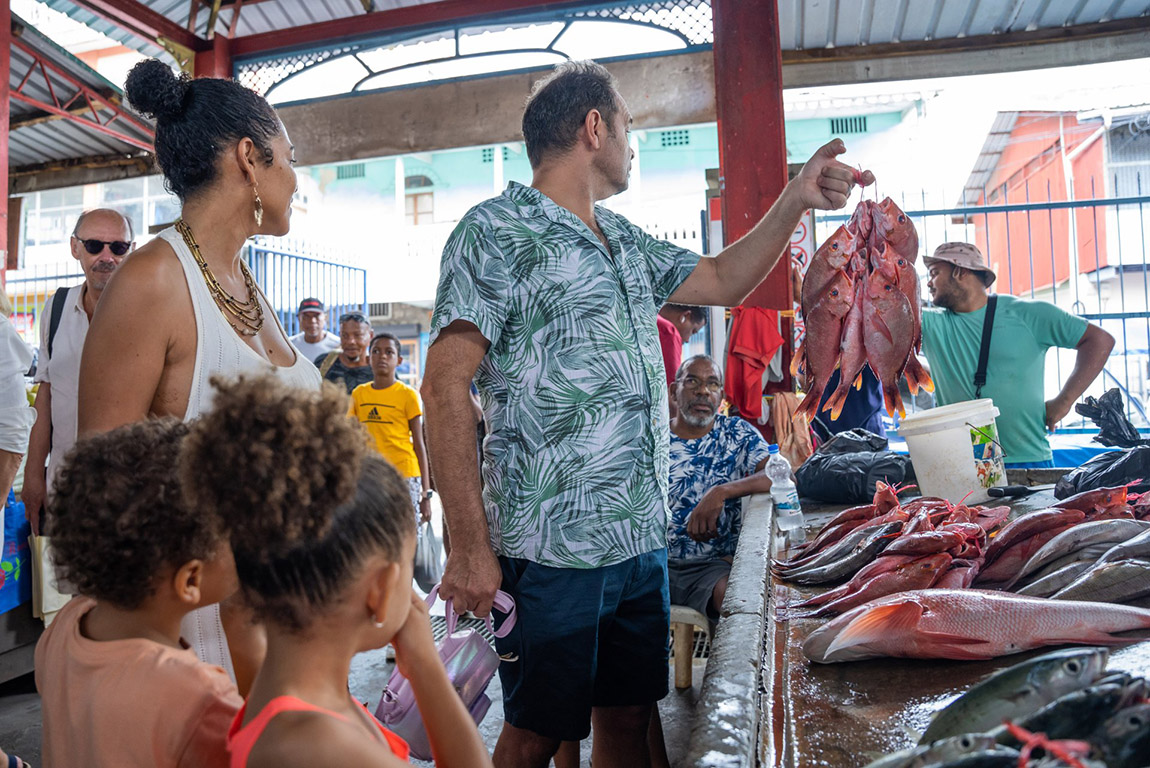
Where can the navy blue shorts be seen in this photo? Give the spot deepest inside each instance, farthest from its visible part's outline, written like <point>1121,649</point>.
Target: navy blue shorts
<point>584,638</point>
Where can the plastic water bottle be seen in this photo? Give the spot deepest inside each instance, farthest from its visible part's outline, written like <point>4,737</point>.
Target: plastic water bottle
<point>785,495</point>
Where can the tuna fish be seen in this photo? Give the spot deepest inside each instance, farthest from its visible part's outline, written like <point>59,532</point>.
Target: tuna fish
<point>968,624</point>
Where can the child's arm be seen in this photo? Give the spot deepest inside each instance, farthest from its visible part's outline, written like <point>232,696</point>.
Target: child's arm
<point>416,426</point>
<point>455,741</point>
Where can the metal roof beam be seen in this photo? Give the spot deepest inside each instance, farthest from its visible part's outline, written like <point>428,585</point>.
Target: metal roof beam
<point>372,24</point>
<point>137,18</point>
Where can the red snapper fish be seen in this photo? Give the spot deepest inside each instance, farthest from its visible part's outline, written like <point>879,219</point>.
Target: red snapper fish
<point>832,257</point>
<point>888,326</point>
<point>852,354</point>
<point>896,228</point>
<point>824,329</point>
<point>968,624</point>
<point>898,268</point>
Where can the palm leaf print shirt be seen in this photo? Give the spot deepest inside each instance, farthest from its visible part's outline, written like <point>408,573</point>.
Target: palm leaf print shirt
<point>576,459</point>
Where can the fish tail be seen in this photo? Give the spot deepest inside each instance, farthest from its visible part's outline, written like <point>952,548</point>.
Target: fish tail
<point>893,401</point>
<point>837,400</point>
<point>809,407</point>
<point>916,376</point>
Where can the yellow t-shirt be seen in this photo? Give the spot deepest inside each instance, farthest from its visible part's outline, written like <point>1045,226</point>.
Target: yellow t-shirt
<point>386,415</point>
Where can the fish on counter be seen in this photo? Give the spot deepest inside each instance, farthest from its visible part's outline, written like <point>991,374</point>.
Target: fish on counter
<point>969,624</point>
<point>1017,691</point>
<point>1117,581</point>
<point>940,751</point>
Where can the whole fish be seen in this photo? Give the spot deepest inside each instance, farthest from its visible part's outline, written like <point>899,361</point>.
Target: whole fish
<point>1027,525</point>
<point>895,227</point>
<point>880,565</point>
<point>967,624</point>
<point>852,354</point>
<point>1090,554</point>
<point>888,331</point>
<point>1099,498</point>
<point>842,546</point>
<point>899,268</point>
<point>1081,536</point>
<point>920,573</point>
<point>1003,572</point>
<point>1112,582</point>
<point>1137,547</point>
<point>925,543</point>
<point>832,256</point>
<point>1048,585</point>
<point>1074,715</point>
<point>961,574</point>
<point>1124,739</point>
<point>824,331</point>
<point>849,564</point>
<point>1017,691</point>
<point>941,751</point>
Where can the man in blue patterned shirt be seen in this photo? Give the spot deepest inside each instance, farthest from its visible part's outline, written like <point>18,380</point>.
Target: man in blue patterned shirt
<point>548,302</point>
<point>715,461</point>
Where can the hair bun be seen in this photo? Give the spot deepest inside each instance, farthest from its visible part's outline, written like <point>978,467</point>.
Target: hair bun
<point>153,89</point>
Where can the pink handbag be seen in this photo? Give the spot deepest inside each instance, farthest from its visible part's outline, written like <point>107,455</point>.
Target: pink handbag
<point>470,662</point>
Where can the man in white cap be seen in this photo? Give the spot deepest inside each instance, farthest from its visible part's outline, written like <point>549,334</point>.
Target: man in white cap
<point>1020,332</point>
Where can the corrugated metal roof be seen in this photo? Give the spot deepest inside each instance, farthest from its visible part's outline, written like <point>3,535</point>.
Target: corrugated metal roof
<point>41,137</point>
<point>996,140</point>
<point>804,24</point>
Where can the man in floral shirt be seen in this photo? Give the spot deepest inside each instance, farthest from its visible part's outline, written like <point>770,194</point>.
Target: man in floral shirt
<point>715,461</point>
<point>548,302</point>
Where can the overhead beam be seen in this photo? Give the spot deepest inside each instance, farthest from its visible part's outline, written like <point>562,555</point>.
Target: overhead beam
<point>137,18</point>
<point>84,170</point>
<point>660,91</point>
<point>373,24</point>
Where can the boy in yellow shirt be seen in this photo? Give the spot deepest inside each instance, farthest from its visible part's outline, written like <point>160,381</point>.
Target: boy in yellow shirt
<point>391,413</point>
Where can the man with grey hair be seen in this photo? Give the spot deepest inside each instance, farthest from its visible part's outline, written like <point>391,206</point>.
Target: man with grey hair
<point>100,240</point>
<point>715,461</point>
<point>571,517</point>
<point>1018,333</point>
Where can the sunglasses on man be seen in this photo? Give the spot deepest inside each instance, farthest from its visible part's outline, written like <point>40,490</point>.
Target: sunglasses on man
<point>358,317</point>
<point>94,246</point>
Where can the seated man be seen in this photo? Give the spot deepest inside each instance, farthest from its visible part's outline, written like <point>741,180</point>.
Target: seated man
<point>715,460</point>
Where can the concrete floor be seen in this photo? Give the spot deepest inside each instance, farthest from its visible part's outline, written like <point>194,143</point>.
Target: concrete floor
<point>20,710</point>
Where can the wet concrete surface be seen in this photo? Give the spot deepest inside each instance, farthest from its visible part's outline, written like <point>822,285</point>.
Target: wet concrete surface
<point>847,714</point>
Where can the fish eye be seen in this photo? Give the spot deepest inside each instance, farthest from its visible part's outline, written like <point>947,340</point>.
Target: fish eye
<point>835,292</point>
<point>834,246</point>
<point>902,218</point>
<point>1073,666</point>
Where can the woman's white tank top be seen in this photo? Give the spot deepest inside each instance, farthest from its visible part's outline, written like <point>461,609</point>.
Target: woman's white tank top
<point>221,351</point>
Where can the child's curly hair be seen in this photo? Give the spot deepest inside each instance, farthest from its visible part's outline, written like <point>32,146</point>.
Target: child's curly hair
<point>304,500</point>
<point>117,517</point>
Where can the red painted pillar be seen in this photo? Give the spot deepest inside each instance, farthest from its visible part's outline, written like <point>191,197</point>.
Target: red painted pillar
<point>752,145</point>
<point>5,71</point>
<point>218,61</point>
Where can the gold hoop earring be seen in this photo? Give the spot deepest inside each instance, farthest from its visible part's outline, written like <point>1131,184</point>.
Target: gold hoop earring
<point>259,211</point>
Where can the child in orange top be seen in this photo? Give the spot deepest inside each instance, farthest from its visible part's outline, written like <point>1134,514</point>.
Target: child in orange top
<point>324,542</point>
<point>391,413</point>
<point>117,685</point>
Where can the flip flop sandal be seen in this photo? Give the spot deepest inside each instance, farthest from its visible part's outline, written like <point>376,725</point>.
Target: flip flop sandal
<point>15,762</point>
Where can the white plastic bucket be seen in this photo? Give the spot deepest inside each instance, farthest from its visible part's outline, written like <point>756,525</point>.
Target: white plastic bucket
<point>955,450</point>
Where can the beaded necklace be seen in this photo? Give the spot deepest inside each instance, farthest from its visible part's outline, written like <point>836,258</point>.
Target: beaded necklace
<point>246,317</point>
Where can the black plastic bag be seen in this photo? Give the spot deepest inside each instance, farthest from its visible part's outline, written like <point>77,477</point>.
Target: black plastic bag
<point>855,440</point>
<point>1108,470</point>
<point>1109,415</point>
<point>849,478</point>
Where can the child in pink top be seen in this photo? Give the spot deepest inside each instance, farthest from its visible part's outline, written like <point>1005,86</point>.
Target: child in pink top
<point>324,541</point>
<point>117,685</point>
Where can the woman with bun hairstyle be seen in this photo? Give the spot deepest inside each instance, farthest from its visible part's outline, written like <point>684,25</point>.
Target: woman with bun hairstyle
<point>184,307</point>
<point>323,537</point>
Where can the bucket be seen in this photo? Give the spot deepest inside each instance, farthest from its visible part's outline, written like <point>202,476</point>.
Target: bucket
<point>955,450</point>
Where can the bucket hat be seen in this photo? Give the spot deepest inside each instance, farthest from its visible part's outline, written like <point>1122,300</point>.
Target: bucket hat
<point>963,255</point>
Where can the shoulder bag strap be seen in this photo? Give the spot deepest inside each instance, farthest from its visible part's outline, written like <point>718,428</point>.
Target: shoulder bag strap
<point>327,363</point>
<point>58,302</point>
<point>984,350</point>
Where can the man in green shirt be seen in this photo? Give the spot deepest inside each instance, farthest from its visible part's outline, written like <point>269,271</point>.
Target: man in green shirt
<point>548,302</point>
<point>1022,331</point>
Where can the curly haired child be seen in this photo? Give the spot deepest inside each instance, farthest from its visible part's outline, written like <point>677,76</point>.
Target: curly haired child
<point>323,538</point>
<point>117,684</point>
